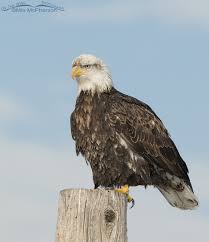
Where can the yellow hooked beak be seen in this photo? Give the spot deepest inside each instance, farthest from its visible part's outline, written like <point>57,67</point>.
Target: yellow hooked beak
<point>77,71</point>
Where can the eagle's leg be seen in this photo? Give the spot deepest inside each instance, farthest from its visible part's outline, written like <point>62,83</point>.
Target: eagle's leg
<point>125,190</point>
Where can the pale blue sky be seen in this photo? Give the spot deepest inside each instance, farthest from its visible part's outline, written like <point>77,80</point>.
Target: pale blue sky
<point>157,51</point>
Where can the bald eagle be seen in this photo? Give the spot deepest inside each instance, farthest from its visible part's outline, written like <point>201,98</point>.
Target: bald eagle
<point>122,138</point>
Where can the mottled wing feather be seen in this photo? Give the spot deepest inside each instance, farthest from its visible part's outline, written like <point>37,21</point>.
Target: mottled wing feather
<point>145,133</point>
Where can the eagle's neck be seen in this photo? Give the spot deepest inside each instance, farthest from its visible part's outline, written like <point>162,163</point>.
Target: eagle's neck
<point>97,83</point>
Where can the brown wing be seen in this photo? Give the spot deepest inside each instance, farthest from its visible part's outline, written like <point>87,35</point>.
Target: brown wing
<point>145,133</point>
<point>72,125</point>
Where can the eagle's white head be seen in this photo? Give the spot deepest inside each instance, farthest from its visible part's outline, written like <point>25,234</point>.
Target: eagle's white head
<point>91,74</point>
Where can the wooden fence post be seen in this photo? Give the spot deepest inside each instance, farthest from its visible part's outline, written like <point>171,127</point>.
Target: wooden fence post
<point>92,216</point>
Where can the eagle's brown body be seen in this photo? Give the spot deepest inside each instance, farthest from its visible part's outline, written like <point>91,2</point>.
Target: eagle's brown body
<point>124,141</point>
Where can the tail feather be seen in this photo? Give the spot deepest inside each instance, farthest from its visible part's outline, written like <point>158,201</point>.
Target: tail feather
<point>183,198</point>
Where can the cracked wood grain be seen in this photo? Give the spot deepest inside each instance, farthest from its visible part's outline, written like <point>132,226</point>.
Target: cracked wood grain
<point>91,216</point>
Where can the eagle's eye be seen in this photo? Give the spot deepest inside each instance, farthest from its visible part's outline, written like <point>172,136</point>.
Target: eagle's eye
<point>86,66</point>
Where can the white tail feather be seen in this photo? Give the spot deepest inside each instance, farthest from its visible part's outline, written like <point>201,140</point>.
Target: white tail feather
<point>184,199</point>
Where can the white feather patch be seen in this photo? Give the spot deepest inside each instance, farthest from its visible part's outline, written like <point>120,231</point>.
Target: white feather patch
<point>123,142</point>
<point>133,156</point>
<point>183,199</point>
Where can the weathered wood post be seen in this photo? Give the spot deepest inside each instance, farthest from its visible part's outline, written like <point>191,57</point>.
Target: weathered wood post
<point>92,216</point>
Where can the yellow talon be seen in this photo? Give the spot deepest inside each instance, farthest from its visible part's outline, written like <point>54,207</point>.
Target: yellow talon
<point>124,189</point>
<point>130,199</point>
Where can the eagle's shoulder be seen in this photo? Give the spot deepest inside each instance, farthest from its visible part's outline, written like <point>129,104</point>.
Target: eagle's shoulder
<point>135,110</point>
<point>119,96</point>
<point>129,99</point>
